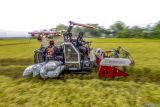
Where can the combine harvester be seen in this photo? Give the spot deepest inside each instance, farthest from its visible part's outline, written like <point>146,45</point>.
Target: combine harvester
<point>60,52</point>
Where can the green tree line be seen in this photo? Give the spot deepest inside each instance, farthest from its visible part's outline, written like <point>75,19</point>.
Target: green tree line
<point>118,30</point>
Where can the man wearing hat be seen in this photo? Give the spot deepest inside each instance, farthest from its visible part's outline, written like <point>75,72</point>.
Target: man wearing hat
<point>80,45</point>
<point>50,51</point>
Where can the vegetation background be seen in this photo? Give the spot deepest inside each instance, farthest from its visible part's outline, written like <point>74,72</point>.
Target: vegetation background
<point>119,30</point>
<point>140,89</point>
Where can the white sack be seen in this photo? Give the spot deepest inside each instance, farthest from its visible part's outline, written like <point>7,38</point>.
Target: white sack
<point>43,73</point>
<point>28,71</point>
<point>36,69</point>
<point>56,72</point>
<point>52,65</point>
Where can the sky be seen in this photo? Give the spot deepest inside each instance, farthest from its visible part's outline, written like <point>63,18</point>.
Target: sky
<point>30,15</point>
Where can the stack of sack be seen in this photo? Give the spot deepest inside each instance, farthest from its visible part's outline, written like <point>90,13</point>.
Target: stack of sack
<point>51,69</point>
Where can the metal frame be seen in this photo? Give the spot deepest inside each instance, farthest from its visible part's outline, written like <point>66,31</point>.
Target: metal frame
<point>76,52</point>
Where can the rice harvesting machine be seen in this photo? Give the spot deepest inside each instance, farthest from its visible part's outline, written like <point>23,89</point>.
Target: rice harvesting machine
<point>61,51</point>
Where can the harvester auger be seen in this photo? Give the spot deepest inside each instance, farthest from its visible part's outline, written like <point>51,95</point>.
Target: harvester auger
<point>60,52</point>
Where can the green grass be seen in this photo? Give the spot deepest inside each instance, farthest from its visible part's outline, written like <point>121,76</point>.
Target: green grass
<point>140,89</point>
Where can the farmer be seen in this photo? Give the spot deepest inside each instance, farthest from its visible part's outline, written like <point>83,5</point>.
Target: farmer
<point>80,45</point>
<point>53,53</point>
<point>50,51</point>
